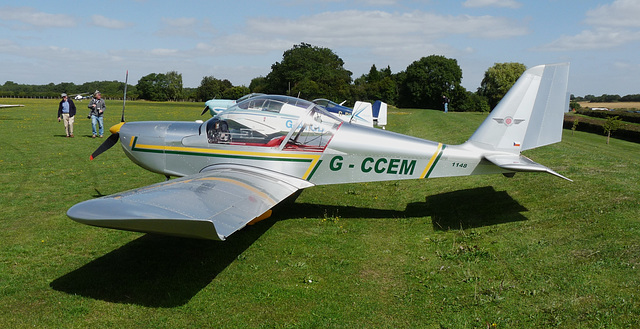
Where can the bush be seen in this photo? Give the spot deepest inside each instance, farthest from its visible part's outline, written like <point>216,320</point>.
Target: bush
<point>624,114</point>
<point>471,102</point>
<point>627,132</point>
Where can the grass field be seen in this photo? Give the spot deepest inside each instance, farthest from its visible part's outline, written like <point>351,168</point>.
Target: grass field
<point>468,252</point>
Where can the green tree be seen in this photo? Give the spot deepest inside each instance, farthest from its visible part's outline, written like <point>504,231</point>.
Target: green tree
<point>466,101</point>
<point>498,79</point>
<point>376,85</point>
<point>612,124</point>
<point>235,92</point>
<point>425,81</point>
<point>153,87</point>
<point>174,85</point>
<point>258,85</point>
<point>158,86</point>
<point>211,87</point>
<point>311,72</point>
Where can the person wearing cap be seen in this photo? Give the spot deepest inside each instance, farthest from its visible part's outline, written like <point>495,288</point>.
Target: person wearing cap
<point>97,106</point>
<point>66,113</point>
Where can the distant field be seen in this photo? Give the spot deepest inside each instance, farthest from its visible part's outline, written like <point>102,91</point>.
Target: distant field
<point>614,105</point>
<point>532,251</point>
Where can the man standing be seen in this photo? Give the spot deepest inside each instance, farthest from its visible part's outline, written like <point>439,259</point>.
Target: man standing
<point>67,113</point>
<point>97,107</point>
<point>445,103</point>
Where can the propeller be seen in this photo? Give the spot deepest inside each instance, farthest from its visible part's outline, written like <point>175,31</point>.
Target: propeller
<point>115,130</point>
<point>206,107</point>
<point>111,141</point>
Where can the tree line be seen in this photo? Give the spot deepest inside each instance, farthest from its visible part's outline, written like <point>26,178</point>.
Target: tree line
<point>605,98</point>
<point>315,72</point>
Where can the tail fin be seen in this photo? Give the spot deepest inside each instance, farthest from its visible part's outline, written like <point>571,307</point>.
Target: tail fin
<point>362,114</point>
<point>380,113</point>
<point>530,114</point>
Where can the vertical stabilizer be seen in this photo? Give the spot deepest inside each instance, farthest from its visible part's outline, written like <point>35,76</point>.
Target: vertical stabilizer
<point>362,114</point>
<point>380,113</point>
<point>530,114</point>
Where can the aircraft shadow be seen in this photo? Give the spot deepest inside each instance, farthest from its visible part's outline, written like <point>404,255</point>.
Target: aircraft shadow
<point>160,271</point>
<point>463,209</point>
<point>157,271</point>
<point>477,207</point>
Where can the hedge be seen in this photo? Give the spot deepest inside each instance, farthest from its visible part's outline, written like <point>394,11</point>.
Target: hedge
<point>626,115</point>
<point>629,132</point>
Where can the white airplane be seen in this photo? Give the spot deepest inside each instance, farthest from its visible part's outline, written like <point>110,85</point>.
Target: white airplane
<point>234,168</point>
<point>215,106</point>
<point>5,106</point>
<point>268,117</point>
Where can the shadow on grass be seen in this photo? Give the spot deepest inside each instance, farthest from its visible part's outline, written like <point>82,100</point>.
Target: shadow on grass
<point>157,271</point>
<point>471,208</point>
<point>483,206</point>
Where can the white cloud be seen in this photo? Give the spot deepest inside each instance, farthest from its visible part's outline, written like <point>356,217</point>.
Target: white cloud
<point>620,13</point>
<point>377,28</point>
<point>613,25</point>
<point>101,21</point>
<point>184,27</point>
<point>360,2</point>
<point>244,44</point>
<point>164,52</point>
<point>597,39</point>
<point>627,66</point>
<point>491,3</point>
<point>31,18</point>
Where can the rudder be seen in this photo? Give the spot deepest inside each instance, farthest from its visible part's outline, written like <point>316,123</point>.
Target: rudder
<point>530,114</point>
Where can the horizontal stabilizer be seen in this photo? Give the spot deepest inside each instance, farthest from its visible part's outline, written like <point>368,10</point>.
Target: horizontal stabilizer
<point>518,162</point>
<point>209,205</point>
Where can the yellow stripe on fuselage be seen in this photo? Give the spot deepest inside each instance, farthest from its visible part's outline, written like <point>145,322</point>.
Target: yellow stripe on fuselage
<point>432,160</point>
<point>312,157</point>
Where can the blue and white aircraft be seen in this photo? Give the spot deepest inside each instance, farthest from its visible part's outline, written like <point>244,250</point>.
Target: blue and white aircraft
<point>362,113</point>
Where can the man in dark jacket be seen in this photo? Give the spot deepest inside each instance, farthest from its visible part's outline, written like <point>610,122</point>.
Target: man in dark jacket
<point>67,113</point>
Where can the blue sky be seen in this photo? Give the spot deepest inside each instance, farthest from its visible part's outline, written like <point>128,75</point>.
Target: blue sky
<point>45,42</point>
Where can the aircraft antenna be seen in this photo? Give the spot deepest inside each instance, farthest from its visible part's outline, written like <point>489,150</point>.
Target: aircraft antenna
<point>124,99</point>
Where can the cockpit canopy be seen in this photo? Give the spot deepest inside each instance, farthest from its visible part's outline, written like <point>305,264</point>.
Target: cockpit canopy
<point>273,121</point>
<point>333,107</point>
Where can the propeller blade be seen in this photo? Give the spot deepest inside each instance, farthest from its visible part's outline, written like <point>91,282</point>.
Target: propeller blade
<point>112,140</point>
<point>206,108</point>
<point>115,130</point>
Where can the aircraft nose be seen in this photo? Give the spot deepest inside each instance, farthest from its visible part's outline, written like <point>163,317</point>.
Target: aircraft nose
<point>116,128</point>
<point>144,129</point>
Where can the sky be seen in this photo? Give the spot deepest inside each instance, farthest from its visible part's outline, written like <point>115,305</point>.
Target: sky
<point>45,41</point>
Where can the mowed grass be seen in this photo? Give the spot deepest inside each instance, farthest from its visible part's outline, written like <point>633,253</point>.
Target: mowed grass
<point>612,105</point>
<point>466,252</point>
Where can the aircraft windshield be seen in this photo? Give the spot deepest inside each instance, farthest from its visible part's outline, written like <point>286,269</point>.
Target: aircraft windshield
<point>331,106</point>
<point>269,120</point>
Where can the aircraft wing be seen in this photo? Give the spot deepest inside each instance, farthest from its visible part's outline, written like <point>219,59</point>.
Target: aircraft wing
<point>210,205</point>
<point>518,162</point>
<point>3,106</point>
